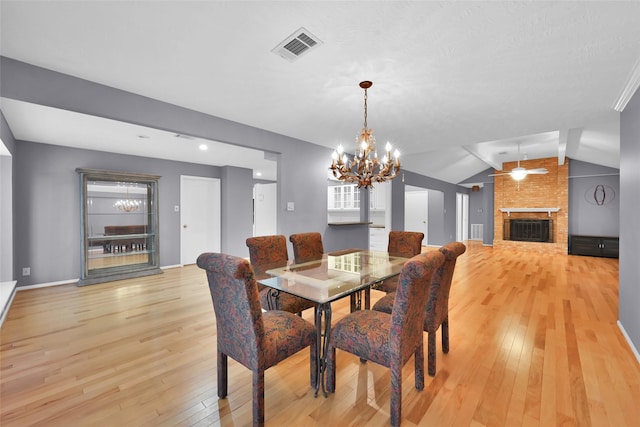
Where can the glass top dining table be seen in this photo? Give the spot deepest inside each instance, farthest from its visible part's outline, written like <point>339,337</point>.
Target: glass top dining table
<point>336,275</point>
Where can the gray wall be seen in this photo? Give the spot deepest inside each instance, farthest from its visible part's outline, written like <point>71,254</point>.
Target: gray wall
<point>436,229</point>
<point>476,209</point>
<point>48,210</point>
<point>442,213</point>
<point>482,210</point>
<point>6,204</point>
<point>629,289</point>
<point>586,216</point>
<point>236,194</point>
<point>487,200</point>
<point>44,171</point>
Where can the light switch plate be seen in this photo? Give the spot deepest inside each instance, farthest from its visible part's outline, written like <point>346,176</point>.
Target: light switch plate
<point>290,206</point>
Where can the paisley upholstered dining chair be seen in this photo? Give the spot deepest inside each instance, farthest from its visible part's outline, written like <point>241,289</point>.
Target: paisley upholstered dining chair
<point>266,252</point>
<point>307,246</point>
<point>404,244</point>
<point>390,339</point>
<point>255,339</point>
<point>437,307</point>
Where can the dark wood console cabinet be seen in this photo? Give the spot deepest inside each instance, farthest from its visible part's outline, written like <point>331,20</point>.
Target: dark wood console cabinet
<point>594,246</point>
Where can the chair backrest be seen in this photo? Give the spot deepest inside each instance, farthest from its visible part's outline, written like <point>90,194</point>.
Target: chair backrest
<point>267,252</point>
<point>405,244</point>
<point>438,302</point>
<point>234,293</point>
<point>408,312</point>
<point>307,246</point>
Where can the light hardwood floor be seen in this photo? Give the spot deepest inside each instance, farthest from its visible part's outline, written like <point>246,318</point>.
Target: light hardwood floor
<point>534,341</point>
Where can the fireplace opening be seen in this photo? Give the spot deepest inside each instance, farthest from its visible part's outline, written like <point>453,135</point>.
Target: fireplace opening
<point>528,230</point>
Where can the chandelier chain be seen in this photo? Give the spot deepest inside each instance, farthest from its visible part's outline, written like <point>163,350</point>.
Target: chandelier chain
<point>365,108</point>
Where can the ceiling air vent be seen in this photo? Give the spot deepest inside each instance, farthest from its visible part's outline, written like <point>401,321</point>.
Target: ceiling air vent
<point>297,44</point>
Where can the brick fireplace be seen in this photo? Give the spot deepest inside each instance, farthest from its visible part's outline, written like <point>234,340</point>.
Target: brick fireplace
<point>536,198</point>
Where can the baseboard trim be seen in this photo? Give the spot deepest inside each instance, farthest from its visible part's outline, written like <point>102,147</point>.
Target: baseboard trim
<point>72,281</point>
<point>631,346</point>
<point>7,298</point>
<point>46,285</point>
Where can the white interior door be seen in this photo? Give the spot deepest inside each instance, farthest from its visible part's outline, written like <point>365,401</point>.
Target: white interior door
<point>462,217</point>
<point>199,217</point>
<point>416,212</point>
<point>265,221</point>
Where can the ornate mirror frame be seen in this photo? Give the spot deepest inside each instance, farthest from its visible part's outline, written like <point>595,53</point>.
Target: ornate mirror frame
<point>119,225</point>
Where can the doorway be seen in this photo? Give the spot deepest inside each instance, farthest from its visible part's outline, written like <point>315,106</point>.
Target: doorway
<point>462,217</point>
<point>199,217</point>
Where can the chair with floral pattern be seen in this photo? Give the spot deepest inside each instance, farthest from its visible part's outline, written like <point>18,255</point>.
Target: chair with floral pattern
<point>404,244</point>
<point>255,339</point>
<point>307,247</point>
<point>266,252</point>
<point>390,339</point>
<point>437,307</point>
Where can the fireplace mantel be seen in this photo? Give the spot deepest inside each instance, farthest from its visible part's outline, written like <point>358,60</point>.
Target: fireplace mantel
<point>547,210</point>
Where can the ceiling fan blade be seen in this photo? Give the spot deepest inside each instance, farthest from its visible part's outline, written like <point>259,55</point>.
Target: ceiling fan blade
<point>538,171</point>
<point>500,174</point>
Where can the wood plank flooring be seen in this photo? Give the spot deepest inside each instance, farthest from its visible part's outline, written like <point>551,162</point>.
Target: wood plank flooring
<point>534,342</point>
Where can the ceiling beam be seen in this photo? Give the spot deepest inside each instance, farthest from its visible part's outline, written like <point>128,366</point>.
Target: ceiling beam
<point>562,145</point>
<point>486,159</point>
<point>573,142</point>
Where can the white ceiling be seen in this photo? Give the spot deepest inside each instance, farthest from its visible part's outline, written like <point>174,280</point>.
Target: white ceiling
<point>455,83</point>
<point>37,123</point>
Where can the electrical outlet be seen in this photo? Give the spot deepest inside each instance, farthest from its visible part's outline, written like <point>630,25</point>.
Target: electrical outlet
<point>26,271</point>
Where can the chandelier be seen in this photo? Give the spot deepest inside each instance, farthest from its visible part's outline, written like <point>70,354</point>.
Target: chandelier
<point>127,205</point>
<point>365,168</point>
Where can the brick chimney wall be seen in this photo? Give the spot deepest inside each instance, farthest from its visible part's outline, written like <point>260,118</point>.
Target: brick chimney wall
<point>534,191</point>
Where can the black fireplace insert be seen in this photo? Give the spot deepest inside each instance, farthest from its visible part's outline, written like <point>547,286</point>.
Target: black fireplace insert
<point>529,230</point>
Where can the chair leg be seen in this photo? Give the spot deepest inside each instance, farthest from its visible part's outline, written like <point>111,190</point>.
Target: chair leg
<point>431,353</point>
<point>396,395</point>
<point>222,375</point>
<point>445,335</point>
<point>419,366</point>
<point>331,370</point>
<point>258,398</point>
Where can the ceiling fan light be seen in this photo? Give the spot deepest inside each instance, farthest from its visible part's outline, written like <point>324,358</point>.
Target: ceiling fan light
<point>518,173</point>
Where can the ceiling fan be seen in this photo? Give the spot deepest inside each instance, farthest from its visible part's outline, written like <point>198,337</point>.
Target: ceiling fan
<point>519,173</point>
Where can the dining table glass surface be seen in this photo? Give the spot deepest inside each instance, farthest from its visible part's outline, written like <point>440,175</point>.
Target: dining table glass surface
<point>336,275</point>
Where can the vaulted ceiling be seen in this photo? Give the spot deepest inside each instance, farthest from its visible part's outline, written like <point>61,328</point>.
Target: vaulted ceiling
<point>457,85</point>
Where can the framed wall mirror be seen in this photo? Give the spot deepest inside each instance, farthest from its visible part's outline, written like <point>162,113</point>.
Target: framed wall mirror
<point>119,230</point>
